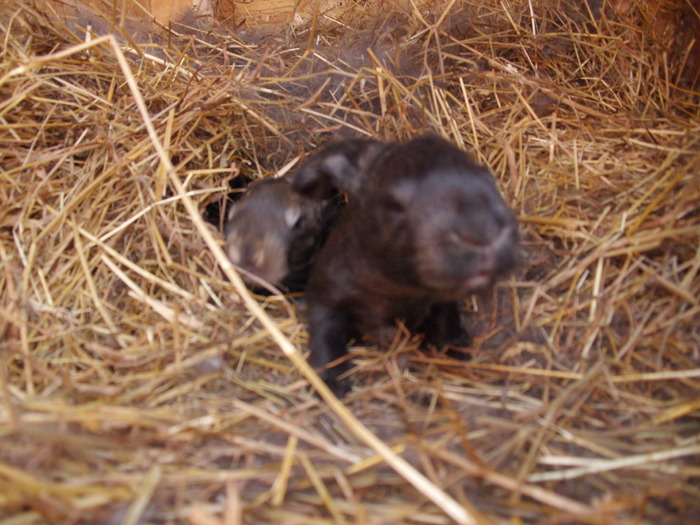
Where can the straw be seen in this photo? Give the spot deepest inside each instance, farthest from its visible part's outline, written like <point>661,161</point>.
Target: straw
<point>141,382</point>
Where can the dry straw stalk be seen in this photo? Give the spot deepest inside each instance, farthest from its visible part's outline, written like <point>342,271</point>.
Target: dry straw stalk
<point>142,383</point>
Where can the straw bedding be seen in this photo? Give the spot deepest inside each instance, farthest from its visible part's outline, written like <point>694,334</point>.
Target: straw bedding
<point>141,383</point>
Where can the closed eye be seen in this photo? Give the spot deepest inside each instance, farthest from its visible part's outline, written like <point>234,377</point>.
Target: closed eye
<point>464,239</point>
<point>456,240</point>
<point>392,206</point>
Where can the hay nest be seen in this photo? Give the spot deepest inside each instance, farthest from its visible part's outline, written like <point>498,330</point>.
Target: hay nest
<point>141,383</point>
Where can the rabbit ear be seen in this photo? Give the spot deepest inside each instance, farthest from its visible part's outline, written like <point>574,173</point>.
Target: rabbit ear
<point>321,179</point>
<point>337,169</point>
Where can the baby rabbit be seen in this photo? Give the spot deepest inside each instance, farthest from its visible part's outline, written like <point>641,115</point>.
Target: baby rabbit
<point>424,227</point>
<point>274,233</point>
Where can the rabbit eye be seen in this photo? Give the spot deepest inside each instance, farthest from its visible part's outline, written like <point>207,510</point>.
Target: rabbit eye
<point>392,206</point>
<point>455,240</point>
<point>459,239</point>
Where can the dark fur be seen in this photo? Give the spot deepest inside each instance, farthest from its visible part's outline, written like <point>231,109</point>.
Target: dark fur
<point>423,228</point>
<point>274,233</point>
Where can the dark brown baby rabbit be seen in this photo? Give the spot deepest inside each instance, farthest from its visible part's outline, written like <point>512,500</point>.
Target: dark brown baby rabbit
<point>274,233</point>
<point>423,228</point>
